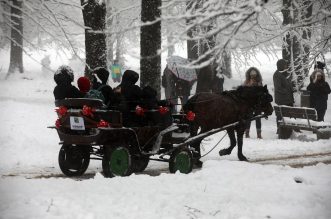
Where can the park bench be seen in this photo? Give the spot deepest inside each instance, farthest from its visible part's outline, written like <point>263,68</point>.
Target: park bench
<point>300,118</point>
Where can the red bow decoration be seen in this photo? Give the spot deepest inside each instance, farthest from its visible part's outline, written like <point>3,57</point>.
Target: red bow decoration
<point>88,111</point>
<point>163,110</point>
<point>57,123</point>
<point>140,111</point>
<point>61,111</point>
<point>103,123</point>
<point>190,116</point>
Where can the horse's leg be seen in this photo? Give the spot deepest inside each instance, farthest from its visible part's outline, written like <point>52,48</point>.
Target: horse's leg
<point>233,143</point>
<point>240,135</point>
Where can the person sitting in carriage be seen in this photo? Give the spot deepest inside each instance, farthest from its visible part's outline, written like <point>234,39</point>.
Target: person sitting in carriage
<point>63,78</point>
<point>99,82</point>
<point>127,96</point>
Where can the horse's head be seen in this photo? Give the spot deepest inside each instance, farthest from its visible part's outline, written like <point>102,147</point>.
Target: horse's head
<point>259,98</point>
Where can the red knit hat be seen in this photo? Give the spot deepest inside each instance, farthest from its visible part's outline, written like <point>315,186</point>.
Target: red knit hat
<point>84,84</point>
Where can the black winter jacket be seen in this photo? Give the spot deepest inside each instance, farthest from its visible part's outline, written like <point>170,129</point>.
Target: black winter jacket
<point>319,92</point>
<point>66,90</point>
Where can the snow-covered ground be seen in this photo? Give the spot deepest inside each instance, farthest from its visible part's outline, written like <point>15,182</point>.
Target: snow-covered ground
<point>32,186</point>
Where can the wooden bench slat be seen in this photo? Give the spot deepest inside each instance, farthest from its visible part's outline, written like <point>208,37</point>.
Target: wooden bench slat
<point>295,112</point>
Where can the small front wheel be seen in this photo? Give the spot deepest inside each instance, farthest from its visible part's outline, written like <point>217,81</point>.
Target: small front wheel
<point>117,161</point>
<point>140,163</point>
<point>182,160</point>
<point>74,160</point>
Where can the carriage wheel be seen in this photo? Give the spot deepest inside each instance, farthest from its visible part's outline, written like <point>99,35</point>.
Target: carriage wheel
<point>74,160</point>
<point>117,161</point>
<point>284,133</point>
<point>140,163</point>
<point>181,159</point>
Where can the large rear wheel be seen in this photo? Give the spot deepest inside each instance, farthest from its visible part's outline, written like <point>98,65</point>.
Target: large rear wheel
<point>181,159</point>
<point>117,161</point>
<point>74,160</point>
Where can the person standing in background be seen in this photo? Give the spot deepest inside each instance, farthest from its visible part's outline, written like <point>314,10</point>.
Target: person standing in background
<point>319,91</point>
<point>282,86</point>
<point>116,71</point>
<point>253,78</point>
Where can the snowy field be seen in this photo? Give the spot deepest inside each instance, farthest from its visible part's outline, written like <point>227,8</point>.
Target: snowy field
<point>32,185</point>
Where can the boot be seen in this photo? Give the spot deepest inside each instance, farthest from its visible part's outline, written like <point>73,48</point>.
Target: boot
<point>259,133</point>
<point>247,133</point>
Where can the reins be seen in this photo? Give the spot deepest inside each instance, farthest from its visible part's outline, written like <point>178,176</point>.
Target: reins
<point>215,145</point>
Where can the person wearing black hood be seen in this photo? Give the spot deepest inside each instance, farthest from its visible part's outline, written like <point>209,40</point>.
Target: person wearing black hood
<point>128,95</point>
<point>282,85</point>
<point>99,82</point>
<point>63,77</point>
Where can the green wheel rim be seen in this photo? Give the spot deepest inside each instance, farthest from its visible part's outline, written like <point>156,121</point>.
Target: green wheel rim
<point>182,162</point>
<point>119,162</point>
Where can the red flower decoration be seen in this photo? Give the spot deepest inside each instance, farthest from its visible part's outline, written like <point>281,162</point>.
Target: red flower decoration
<point>88,111</point>
<point>61,111</point>
<point>57,123</point>
<point>190,116</point>
<point>103,123</point>
<point>163,110</point>
<point>140,111</point>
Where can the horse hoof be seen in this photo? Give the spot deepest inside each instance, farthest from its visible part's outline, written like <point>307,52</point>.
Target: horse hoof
<point>242,158</point>
<point>224,152</point>
<point>197,164</point>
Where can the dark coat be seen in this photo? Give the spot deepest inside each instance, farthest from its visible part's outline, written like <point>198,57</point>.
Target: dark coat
<point>319,91</point>
<point>130,93</point>
<point>282,85</point>
<point>63,91</point>
<point>105,89</point>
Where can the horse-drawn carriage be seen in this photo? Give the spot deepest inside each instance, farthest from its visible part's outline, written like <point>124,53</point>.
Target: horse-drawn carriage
<point>89,131</point>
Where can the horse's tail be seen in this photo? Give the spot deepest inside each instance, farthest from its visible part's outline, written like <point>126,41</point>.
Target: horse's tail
<point>189,105</point>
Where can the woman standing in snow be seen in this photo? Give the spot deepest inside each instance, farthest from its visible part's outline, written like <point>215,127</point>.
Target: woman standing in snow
<point>253,78</point>
<point>319,91</point>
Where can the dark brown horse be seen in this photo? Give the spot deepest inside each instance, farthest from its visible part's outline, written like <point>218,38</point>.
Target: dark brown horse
<point>217,110</point>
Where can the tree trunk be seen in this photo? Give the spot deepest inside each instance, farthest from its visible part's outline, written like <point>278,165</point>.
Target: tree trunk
<point>150,44</point>
<point>16,44</point>
<point>94,15</point>
<point>306,35</point>
<point>287,42</point>
<point>296,47</point>
<point>227,64</point>
<point>109,36</point>
<point>171,48</point>
<point>192,45</point>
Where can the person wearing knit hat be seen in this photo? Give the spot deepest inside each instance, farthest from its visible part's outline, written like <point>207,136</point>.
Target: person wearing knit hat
<point>319,91</point>
<point>84,84</point>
